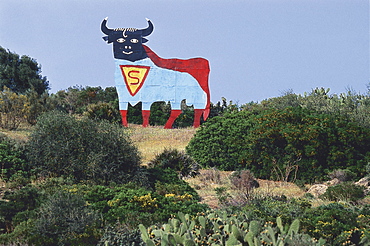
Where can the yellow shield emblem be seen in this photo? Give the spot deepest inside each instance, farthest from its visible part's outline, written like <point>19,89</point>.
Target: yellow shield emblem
<point>134,77</point>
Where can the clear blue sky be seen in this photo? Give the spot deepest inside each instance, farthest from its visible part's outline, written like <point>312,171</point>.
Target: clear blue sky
<point>257,48</point>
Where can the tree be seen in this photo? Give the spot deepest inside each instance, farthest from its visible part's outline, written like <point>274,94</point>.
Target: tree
<point>102,111</point>
<point>37,104</point>
<point>13,108</point>
<point>279,143</point>
<point>76,98</point>
<point>82,149</point>
<point>21,74</point>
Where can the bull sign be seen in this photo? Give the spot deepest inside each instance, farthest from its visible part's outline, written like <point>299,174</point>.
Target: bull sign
<point>142,76</point>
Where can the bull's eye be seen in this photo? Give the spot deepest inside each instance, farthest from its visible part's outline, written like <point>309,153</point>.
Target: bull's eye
<point>121,40</point>
<point>134,41</point>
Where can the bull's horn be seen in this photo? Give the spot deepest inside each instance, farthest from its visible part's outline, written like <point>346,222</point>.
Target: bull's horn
<point>147,31</point>
<point>104,27</point>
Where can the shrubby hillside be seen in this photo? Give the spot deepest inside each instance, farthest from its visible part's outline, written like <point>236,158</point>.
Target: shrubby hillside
<point>282,144</point>
<point>77,177</point>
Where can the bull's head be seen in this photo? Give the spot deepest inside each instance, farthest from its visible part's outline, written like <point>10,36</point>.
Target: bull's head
<point>127,42</point>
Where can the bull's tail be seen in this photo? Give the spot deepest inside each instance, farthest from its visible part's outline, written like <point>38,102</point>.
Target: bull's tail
<point>196,67</point>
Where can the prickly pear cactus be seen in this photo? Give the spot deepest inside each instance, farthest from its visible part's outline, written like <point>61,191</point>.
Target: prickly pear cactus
<point>217,228</point>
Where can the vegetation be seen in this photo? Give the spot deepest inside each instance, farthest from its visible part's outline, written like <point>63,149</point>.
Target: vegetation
<point>176,160</point>
<point>13,163</point>
<point>20,74</point>
<point>217,228</point>
<point>77,176</point>
<point>62,145</point>
<point>282,144</point>
<point>346,191</point>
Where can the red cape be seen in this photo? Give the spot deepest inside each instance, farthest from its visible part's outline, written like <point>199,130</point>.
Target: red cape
<point>196,67</point>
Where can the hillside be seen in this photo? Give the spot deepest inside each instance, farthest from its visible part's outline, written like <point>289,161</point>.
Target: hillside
<point>153,140</point>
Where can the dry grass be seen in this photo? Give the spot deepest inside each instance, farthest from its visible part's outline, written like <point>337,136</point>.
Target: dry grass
<point>279,188</point>
<point>206,182</point>
<point>205,187</point>
<point>154,139</point>
<point>20,134</point>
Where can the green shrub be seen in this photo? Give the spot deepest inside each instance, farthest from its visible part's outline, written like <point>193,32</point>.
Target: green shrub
<point>65,219</point>
<point>186,118</point>
<point>145,206</point>
<point>167,177</point>
<point>346,191</point>
<point>103,111</point>
<point>267,208</point>
<point>165,188</point>
<point>223,196</point>
<point>220,141</point>
<point>282,144</point>
<point>62,145</point>
<point>20,236</point>
<point>167,195</point>
<point>121,235</point>
<point>176,160</point>
<point>159,113</point>
<point>17,201</point>
<point>12,159</point>
<point>330,222</point>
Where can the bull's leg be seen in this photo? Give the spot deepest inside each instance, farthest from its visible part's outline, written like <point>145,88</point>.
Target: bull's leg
<point>123,111</point>
<point>124,117</point>
<point>197,114</point>
<point>174,114</point>
<point>145,113</point>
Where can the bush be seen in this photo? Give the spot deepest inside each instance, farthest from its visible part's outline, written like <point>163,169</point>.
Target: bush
<point>223,196</point>
<point>166,195</point>
<point>346,191</point>
<point>166,178</point>
<point>18,201</point>
<point>12,159</point>
<point>267,208</point>
<point>121,235</point>
<point>331,222</point>
<point>65,219</point>
<point>176,160</point>
<point>221,141</point>
<point>102,111</point>
<point>186,118</point>
<point>13,109</point>
<point>243,181</point>
<point>82,149</point>
<point>159,113</point>
<point>123,203</point>
<point>284,144</point>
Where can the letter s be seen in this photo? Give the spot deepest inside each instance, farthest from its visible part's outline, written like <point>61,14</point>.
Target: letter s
<point>131,76</point>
